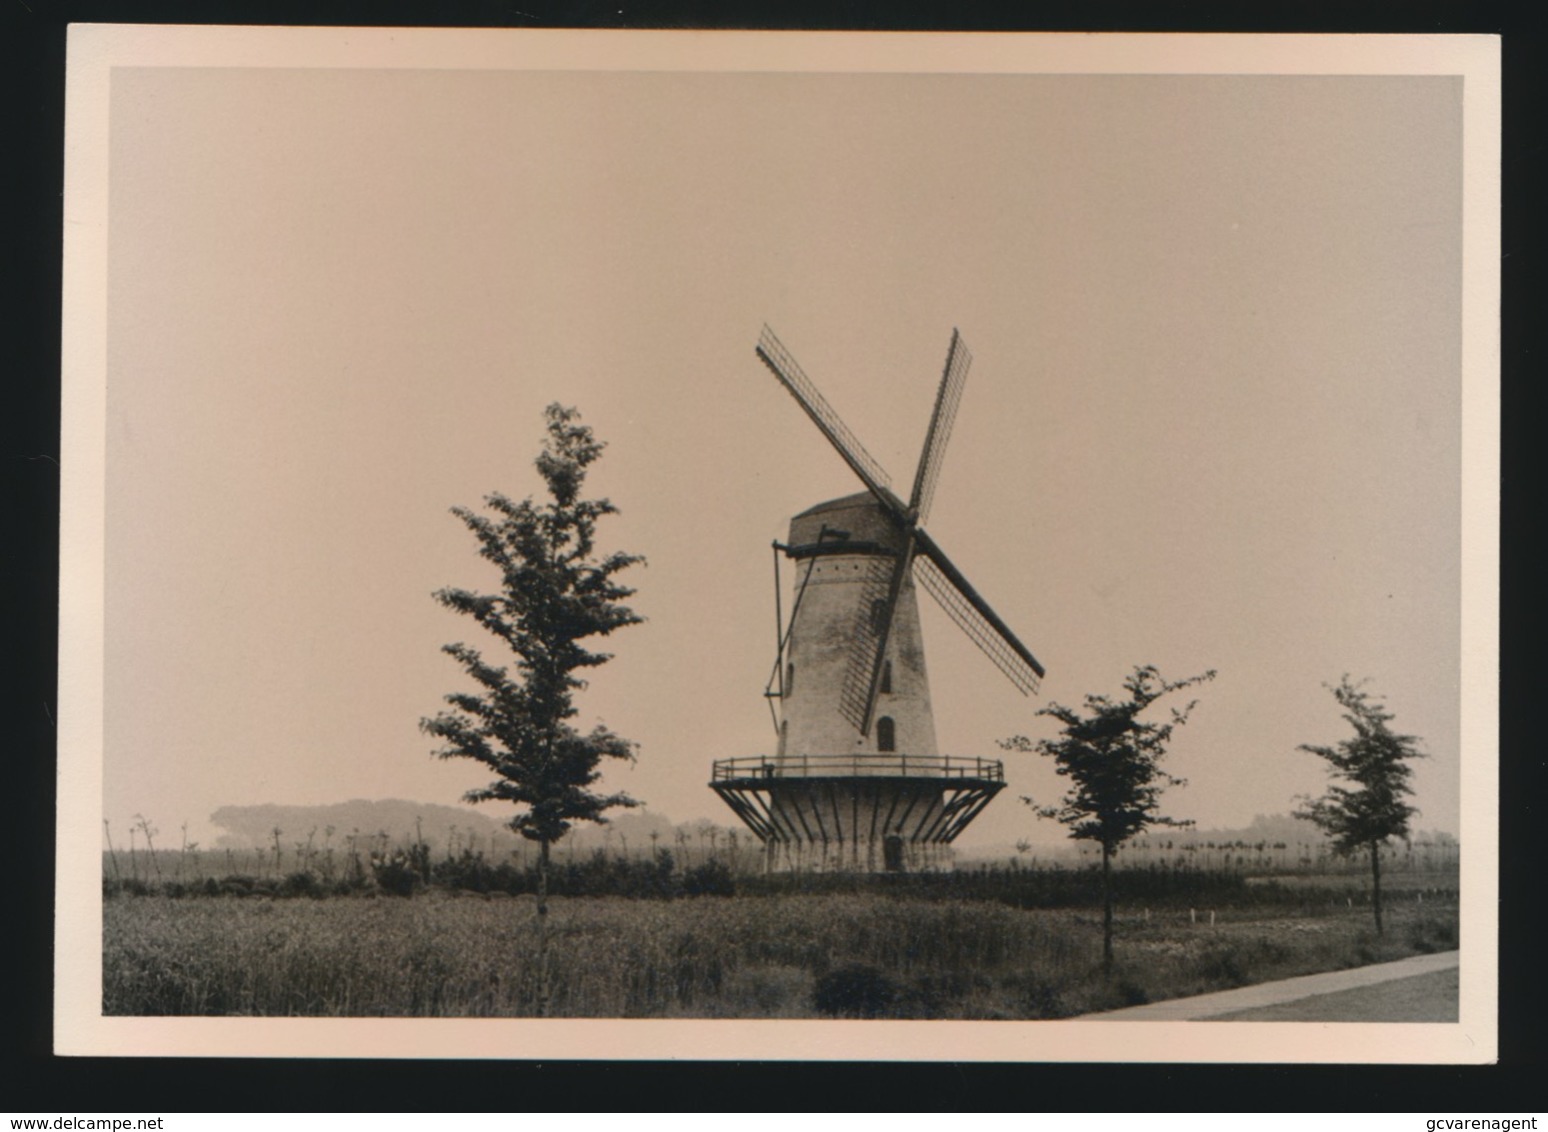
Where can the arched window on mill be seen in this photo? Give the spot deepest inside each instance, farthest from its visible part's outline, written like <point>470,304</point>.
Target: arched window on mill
<point>886,680</point>
<point>886,735</point>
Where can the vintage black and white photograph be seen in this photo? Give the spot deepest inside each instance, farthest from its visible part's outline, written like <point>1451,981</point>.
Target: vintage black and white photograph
<point>778,544</point>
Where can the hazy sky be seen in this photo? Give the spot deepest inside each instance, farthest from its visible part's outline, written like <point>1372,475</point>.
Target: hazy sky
<point>1212,422</point>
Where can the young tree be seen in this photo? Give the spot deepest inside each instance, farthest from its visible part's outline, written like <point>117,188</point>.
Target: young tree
<point>556,591</point>
<point>1375,764</point>
<point>1112,758</point>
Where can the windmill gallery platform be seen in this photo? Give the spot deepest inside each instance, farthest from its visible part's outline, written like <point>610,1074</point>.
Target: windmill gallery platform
<point>864,813</point>
<point>857,781</point>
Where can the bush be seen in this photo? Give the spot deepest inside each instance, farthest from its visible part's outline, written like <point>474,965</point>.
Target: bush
<point>855,991</point>
<point>397,875</point>
<point>1237,963</point>
<point>713,878</point>
<point>1223,965</point>
<point>302,884</point>
<point>1132,993</point>
<point>941,994</point>
<point>1426,936</point>
<point>349,885</point>
<point>661,881</point>
<point>768,992</point>
<point>471,872</point>
<point>1041,998</point>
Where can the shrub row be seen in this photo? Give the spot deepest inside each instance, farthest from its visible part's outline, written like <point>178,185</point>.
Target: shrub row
<point>405,872</point>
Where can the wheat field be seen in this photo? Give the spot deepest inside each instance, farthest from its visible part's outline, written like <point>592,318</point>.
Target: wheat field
<point>783,956</point>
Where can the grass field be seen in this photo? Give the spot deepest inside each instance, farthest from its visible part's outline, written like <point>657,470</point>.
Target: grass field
<point>865,953</point>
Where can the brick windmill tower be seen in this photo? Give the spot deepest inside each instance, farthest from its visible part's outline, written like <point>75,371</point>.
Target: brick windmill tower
<point>857,781</point>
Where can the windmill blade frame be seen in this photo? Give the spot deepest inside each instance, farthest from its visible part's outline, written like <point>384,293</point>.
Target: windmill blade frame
<point>856,694</point>
<point>947,398</point>
<point>974,616</point>
<point>883,620</point>
<point>783,365</point>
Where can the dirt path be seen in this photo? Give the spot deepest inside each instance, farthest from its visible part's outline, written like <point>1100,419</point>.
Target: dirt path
<point>1420,989</point>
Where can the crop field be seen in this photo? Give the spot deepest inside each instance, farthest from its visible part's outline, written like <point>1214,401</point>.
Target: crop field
<point>1009,945</point>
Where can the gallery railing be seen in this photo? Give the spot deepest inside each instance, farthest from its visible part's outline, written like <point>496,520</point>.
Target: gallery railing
<point>859,766</point>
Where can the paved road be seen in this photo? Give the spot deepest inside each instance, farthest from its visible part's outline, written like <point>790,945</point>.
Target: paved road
<point>1418,998</point>
<point>1420,989</point>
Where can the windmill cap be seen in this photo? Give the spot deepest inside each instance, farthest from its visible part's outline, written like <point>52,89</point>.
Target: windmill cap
<point>859,517</point>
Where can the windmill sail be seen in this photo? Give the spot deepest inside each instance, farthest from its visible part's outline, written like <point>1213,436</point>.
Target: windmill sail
<point>790,374</point>
<point>973,615</point>
<point>947,398</point>
<point>872,674</point>
<point>958,359</point>
<point>868,638</point>
<point>865,668</point>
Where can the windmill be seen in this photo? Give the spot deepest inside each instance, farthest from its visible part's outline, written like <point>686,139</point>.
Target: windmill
<point>857,781</point>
